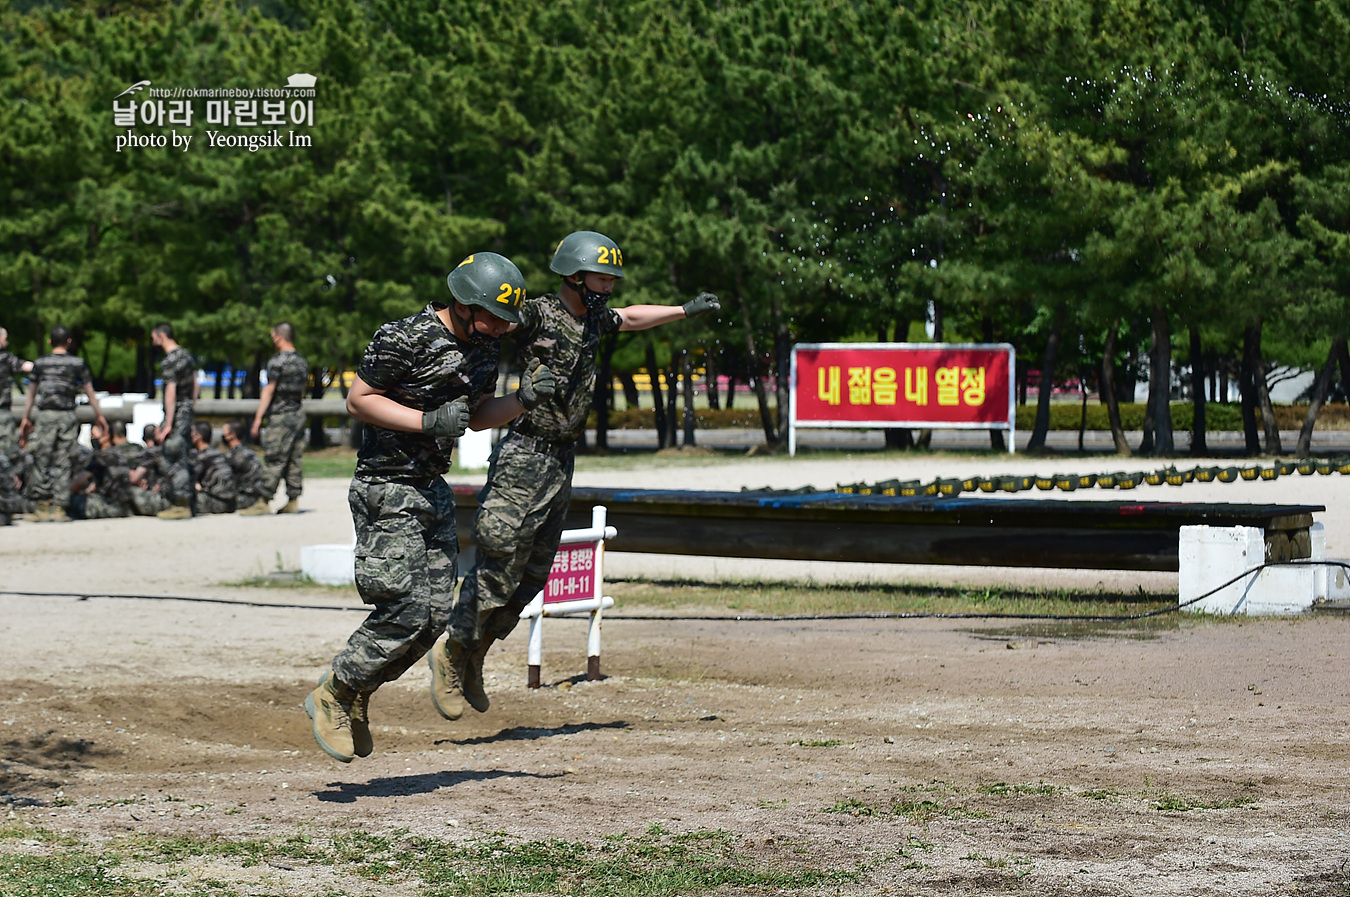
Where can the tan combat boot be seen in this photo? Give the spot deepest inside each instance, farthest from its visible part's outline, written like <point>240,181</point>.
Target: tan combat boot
<point>175,512</point>
<point>258,507</point>
<point>473,677</point>
<point>447,679</point>
<point>330,706</point>
<point>59,515</point>
<point>292,506</point>
<point>362,744</point>
<point>43,512</point>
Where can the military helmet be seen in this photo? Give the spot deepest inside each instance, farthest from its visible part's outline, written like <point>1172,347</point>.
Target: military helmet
<point>585,250</point>
<point>489,281</point>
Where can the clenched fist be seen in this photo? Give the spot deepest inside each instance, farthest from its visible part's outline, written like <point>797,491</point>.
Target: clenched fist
<point>536,384</point>
<point>451,419</point>
<point>702,304</point>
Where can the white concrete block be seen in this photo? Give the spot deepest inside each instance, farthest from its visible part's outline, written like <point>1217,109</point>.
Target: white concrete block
<point>1209,556</point>
<point>331,565</point>
<point>143,413</point>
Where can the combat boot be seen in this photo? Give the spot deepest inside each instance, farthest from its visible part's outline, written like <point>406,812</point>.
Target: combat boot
<point>362,744</point>
<point>59,515</point>
<point>5,520</point>
<point>258,507</point>
<point>473,677</point>
<point>330,706</point>
<point>447,679</point>
<point>175,512</point>
<point>42,513</point>
<point>291,507</point>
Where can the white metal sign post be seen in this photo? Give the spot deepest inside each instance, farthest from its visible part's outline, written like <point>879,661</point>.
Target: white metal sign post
<point>575,585</point>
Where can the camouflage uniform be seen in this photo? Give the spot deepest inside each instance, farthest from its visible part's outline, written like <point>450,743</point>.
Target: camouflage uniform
<point>214,475</point>
<point>248,475</point>
<point>284,438</point>
<point>112,487</point>
<point>402,509</point>
<point>145,501</point>
<point>180,368</point>
<point>10,366</point>
<point>11,502</point>
<point>60,377</point>
<point>522,507</point>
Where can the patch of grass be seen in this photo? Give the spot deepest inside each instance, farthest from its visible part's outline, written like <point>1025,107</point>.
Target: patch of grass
<point>827,742</point>
<point>1040,789</point>
<point>791,599</point>
<point>919,811</point>
<point>1176,803</point>
<point>1100,794</point>
<point>657,862</point>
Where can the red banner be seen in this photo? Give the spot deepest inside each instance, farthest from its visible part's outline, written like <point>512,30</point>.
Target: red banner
<point>881,384</point>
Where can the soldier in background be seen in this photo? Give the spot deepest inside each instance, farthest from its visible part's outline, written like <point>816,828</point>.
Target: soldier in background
<point>178,370</point>
<point>248,470</point>
<point>103,488</point>
<point>146,500</point>
<point>284,440</point>
<point>10,365</point>
<point>215,480</point>
<point>12,501</point>
<point>56,380</point>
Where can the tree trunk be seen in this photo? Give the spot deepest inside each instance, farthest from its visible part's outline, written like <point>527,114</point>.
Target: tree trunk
<point>1146,443</point>
<point>317,439</point>
<point>1109,394</point>
<point>1199,442</point>
<point>731,383</point>
<point>1160,382</point>
<point>782,345</point>
<point>710,386</point>
<point>1082,410</point>
<point>687,372</point>
<point>757,376</point>
<point>1344,360</point>
<point>654,374</point>
<point>1321,386</point>
<point>604,386</point>
<point>219,370</point>
<point>630,390</point>
<point>1048,360</point>
<point>1272,426</point>
<point>899,438</point>
<point>1251,359</point>
<point>672,395</point>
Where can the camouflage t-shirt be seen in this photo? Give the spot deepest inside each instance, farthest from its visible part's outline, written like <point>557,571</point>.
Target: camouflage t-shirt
<point>289,371</point>
<point>567,345</point>
<point>246,466</point>
<point>418,362</point>
<point>11,365</point>
<point>179,367</point>
<point>60,378</point>
<point>214,474</point>
<point>112,472</point>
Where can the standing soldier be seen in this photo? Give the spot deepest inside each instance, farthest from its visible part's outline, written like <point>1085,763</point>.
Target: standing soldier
<point>215,480</point>
<point>284,440</point>
<point>57,379</point>
<point>178,370</point>
<point>248,470</point>
<point>10,364</point>
<point>522,507</point>
<point>423,381</point>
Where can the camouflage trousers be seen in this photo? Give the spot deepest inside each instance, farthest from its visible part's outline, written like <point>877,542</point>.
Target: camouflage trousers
<point>146,503</point>
<point>209,504</point>
<point>283,443</point>
<point>406,556</point>
<point>52,443</point>
<point>97,507</point>
<point>11,501</point>
<point>176,477</point>
<point>521,512</point>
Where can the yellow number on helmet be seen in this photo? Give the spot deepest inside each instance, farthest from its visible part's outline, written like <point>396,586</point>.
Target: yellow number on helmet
<point>505,295</point>
<point>467,261</point>
<point>604,255</point>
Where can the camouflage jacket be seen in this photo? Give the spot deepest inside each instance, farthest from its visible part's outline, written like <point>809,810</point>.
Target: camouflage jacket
<point>418,362</point>
<point>112,473</point>
<point>181,368</point>
<point>60,377</point>
<point>567,345</point>
<point>214,474</point>
<point>11,366</point>
<point>248,470</point>
<point>290,373</point>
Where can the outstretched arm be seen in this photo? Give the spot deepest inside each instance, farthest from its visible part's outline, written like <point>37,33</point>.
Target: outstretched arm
<point>644,317</point>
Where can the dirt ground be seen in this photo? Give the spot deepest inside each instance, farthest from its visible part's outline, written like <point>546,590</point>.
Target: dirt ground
<point>923,756</point>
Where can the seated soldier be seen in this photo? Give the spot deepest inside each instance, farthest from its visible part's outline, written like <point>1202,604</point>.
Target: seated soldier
<point>102,488</point>
<point>146,498</point>
<point>11,500</point>
<point>215,480</point>
<point>248,470</point>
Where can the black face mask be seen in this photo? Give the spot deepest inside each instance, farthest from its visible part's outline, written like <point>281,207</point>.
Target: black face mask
<point>476,339</point>
<point>593,301</point>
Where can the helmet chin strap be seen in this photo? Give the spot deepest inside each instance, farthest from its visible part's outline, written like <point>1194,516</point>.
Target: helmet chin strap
<point>469,326</point>
<point>589,297</point>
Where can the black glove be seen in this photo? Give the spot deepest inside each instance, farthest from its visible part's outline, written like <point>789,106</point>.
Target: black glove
<point>451,419</point>
<point>536,384</point>
<point>701,304</point>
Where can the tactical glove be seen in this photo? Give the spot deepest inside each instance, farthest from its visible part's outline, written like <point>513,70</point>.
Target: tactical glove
<point>451,419</point>
<point>701,304</point>
<point>536,385</point>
